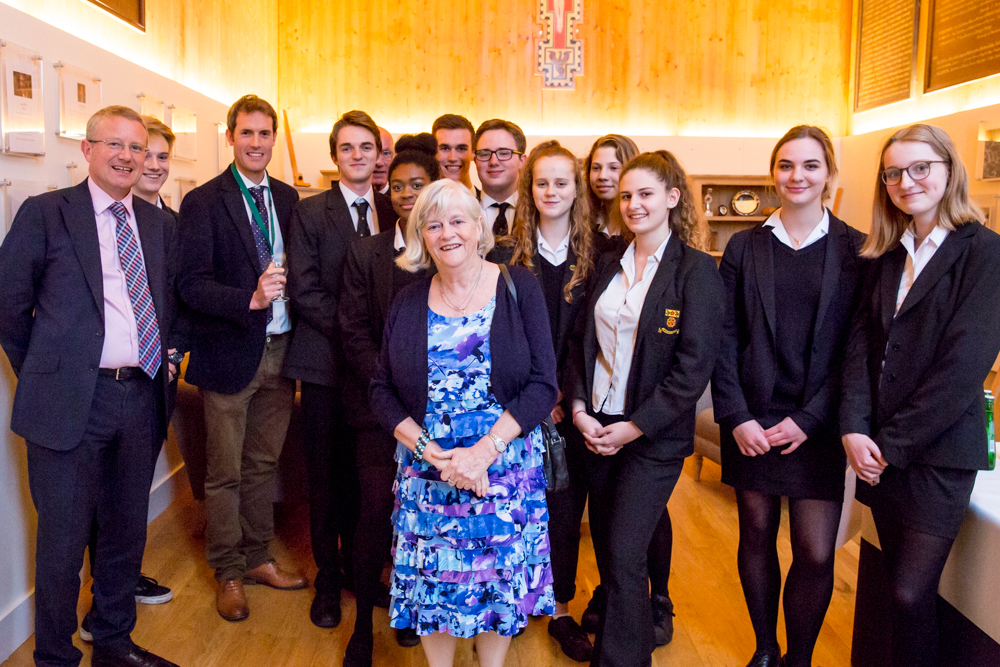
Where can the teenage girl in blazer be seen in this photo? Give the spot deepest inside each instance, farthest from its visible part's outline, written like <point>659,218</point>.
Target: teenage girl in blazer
<point>650,336</point>
<point>790,290</point>
<point>603,167</point>
<point>552,237</point>
<point>926,334</point>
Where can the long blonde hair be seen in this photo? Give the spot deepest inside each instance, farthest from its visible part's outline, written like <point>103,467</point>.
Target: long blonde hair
<point>526,217</point>
<point>954,210</point>
<point>608,212</point>
<point>668,170</point>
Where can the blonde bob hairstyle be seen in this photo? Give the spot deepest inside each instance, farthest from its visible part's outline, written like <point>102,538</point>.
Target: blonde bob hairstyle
<point>954,209</point>
<point>435,201</point>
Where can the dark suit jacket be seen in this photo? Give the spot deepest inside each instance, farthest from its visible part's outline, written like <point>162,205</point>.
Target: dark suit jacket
<point>321,232</point>
<point>744,377</point>
<point>218,275</point>
<point>368,293</point>
<point>671,365</point>
<point>52,310</point>
<point>523,367</point>
<point>926,404</point>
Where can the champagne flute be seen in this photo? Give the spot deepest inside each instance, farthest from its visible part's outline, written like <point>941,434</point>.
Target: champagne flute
<point>279,262</point>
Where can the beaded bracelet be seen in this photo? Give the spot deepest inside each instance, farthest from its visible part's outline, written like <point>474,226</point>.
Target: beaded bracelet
<point>422,440</point>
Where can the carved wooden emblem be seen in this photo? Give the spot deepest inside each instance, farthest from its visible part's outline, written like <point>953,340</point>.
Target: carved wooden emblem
<point>559,56</point>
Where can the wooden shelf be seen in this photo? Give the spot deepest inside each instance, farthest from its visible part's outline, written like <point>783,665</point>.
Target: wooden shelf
<point>737,218</point>
<point>715,253</point>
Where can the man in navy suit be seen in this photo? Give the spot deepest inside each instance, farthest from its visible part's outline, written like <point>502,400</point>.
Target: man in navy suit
<point>86,311</point>
<point>322,230</point>
<point>231,232</point>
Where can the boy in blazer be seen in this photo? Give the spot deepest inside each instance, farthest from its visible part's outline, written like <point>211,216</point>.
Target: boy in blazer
<point>322,230</point>
<point>232,230</point>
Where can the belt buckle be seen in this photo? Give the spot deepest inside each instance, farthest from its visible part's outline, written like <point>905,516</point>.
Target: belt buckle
<point>117,374</point>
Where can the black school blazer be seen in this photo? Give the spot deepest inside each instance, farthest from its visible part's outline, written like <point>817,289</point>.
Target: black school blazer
<point>523,365</point>
<point>743,381</point>
<point>926,403</point>
<point>674,352</point>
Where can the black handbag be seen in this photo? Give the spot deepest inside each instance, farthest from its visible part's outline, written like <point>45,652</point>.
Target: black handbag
<point>554,452</point>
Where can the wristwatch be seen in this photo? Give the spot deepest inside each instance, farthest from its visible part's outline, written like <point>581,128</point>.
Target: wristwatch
<point>498,442</point>
<point>175,357</point>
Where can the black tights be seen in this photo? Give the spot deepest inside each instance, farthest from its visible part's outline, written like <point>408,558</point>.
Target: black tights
<point>914,561</point>
<point>809,585</point>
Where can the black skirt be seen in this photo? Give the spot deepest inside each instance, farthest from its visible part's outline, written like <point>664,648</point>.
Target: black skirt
<point>925,498</point>
<point>814,471</point>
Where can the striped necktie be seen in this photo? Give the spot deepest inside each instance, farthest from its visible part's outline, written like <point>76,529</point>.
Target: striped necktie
<point>138,292</point>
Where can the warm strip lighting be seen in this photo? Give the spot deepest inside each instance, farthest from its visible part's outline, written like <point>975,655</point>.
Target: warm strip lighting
<point>973,95</point>
<point>585,131</point>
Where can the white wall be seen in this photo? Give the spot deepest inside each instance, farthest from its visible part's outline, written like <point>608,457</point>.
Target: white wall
<point>122,81</point>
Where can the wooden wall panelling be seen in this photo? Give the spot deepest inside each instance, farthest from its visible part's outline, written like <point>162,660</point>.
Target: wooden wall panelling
<point>729,67</point>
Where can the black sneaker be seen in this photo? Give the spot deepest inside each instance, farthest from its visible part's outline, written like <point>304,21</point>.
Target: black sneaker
<point>85,633</point>
<point>591,620</point>
<point>148,591</point>
<point>663,619</point>
<point>407,637</point>
<point>573,641</point>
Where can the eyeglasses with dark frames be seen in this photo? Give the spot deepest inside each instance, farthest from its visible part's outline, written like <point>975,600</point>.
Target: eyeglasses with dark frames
<point>918,171</point>
<point>503,154</point>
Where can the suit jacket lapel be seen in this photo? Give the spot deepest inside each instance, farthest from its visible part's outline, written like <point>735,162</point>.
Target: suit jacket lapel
<point>662,278</point>
<point>232,197</point>
<point>954,245</point>
<point>763,260</point>
<point>836,244</point>
<point>339,215</point>
<point>78,212</point>
<point>892,271</point>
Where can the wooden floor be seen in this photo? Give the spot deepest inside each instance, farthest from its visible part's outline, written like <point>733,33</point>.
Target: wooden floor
<point>711,627</point>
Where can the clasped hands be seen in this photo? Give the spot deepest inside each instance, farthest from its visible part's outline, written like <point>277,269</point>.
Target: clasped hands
<point>754,440</point>
<point>864,456</point>
<point>464,467</point>
<point>604,440</point>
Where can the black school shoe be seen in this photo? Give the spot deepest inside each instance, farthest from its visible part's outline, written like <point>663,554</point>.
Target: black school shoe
<point>591,620</point>
<point>573,641</point>
<point>663,619</point>
<point>407,637</point>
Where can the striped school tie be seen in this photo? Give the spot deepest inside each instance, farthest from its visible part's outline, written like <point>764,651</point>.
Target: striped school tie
<point>138,292</point>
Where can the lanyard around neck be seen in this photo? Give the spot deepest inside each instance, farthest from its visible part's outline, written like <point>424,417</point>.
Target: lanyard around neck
<point>268,234</point>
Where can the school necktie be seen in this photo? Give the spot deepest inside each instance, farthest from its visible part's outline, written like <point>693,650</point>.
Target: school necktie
<point>362,207</point>
<point>146,325</point>
<point>263,251</point>
<point>500,224</point>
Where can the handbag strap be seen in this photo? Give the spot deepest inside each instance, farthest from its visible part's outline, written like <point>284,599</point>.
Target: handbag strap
<point>507,279</point>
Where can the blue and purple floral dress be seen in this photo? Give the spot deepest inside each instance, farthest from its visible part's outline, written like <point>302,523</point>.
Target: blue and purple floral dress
<point>464,564</point>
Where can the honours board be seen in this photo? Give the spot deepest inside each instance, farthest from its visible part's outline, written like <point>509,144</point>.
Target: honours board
<point>130,11</point>
<point>964,42</point>
<point>886,51</point>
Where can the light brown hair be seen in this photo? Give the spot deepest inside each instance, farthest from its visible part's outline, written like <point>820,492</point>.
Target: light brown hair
<point>499,124</point>
<point>526,217</point>
<point>249,104</point>
<point>113,111</point>
<point>819,136</point>
<point>683,218</point>
<point>954,210</point>
<point>160,129</point>
<point>452,121</point>
<point>357,119</point>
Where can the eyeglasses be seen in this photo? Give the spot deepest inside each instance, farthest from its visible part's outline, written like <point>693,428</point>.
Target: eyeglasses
<point>503,154</point>
<point>918,171</point>
<point>116,146</point>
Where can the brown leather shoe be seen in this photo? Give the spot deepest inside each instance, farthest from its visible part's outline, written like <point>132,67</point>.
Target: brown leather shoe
<point>271,575</point>
<point>231,601</point>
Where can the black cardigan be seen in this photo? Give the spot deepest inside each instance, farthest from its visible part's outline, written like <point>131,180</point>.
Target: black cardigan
<point>674,352</point>
<point>744,377</point>
<point>926,403</point>
<point>523,365</point>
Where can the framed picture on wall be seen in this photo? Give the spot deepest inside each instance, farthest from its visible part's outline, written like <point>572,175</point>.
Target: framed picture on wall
<point>988,151</point>
<point>79,98</point>
<point>184,123</point>
<point>22,116</point>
